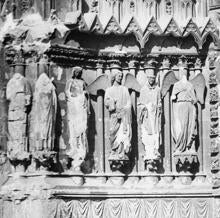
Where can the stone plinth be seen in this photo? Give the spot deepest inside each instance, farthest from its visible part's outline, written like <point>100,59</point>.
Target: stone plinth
<point>58,196</point>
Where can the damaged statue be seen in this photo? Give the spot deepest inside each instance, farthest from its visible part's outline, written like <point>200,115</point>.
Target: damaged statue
<point>150,119</point>
<point>18,93</point>
<point>77,116</point>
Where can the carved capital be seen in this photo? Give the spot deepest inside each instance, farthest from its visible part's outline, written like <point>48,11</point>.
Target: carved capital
<point>149,3</point>
<point>132,64</point>
<point>112,2</point>
<point>185,3</point>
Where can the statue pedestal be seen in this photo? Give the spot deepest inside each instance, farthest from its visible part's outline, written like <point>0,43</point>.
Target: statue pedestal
<point>116,165</point>
<point>148,180</point>
<point>151,165</point>
<point>76,177</point>
<point>19,161</point>
<point>116,179</point>
<point>42,160</point>
<point>95,180</point>
<point>186,162</point>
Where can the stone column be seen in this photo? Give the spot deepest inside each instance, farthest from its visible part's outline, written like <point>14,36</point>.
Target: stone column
<point>3,103</point>
<point>100,148</point>
<point>163,70</point>
<point>132,70</point>
<point>167,137</point>
<point>166,120</point>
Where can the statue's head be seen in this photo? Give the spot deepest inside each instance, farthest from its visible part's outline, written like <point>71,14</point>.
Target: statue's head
<point>3,157</point>
<point>77,72</point>
<point>151,77</point>
<point>43,80</point>
<point>117,76</point>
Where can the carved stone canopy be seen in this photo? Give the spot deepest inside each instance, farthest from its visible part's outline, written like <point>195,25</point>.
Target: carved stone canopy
<point>142,30</point>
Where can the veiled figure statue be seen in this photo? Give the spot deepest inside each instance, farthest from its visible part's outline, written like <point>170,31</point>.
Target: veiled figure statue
<point>77,116</point>
<point>150,118</point>
<point>45,109</point>
<point>184,110</point>
<point>18,92</point>
<point>118,102</point>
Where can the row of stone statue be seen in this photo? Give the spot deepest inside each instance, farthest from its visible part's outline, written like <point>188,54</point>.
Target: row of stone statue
<point>40,128</point>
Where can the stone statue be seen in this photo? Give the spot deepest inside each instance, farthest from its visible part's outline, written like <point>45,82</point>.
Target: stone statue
<point>184,114</point>
<point>118,102</point>
<point>45,107</point>
<point>18,93</point>
<point>75,5</point>
<point>150,118</point>
<point>5,168</point>
<point>185,97</point>
<point>77,115</point>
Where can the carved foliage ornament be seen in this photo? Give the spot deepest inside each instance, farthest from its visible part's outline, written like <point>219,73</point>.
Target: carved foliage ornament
<point>186,3</point>
<point>149,3</point>
<point>172,27</point>
<point>112,26</point>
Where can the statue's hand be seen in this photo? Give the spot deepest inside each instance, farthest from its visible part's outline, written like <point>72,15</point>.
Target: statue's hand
<point>27,100</point>
<point>173,97</point>
<point>125,129</point>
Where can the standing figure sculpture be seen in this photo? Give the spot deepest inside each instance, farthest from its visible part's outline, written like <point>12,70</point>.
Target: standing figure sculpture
<point>150,119</point>
<point>186,96</point>
<point>18,92</point>
<point>184,128</point>
<point>118,102</point>
<point>45,108</point>
<point>77,115</point>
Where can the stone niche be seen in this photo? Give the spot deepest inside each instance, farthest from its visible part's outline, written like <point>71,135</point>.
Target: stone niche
<point>93,125</point>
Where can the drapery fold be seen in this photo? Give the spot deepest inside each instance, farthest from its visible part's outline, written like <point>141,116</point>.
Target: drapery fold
<point>132,208</point>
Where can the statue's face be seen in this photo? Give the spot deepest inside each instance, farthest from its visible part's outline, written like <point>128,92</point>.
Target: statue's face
<point>151,80</point>
<point>3,159</point>
<point>118,77</point>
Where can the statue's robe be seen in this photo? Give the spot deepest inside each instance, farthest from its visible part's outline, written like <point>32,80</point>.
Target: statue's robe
<point>150,115</point>
<point>118,102</point>
<point>45,107</point>
<point>77,116</point>
<point>18,92</point>
<point>184,128</point>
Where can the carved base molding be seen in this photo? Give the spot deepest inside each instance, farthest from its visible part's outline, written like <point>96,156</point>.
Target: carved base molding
<point>53,201</point>
<point>58,196</point>
<point>117,208</point>
<point>146,181</point>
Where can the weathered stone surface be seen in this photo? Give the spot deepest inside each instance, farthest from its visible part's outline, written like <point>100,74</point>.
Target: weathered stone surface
<point>73,136</point>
